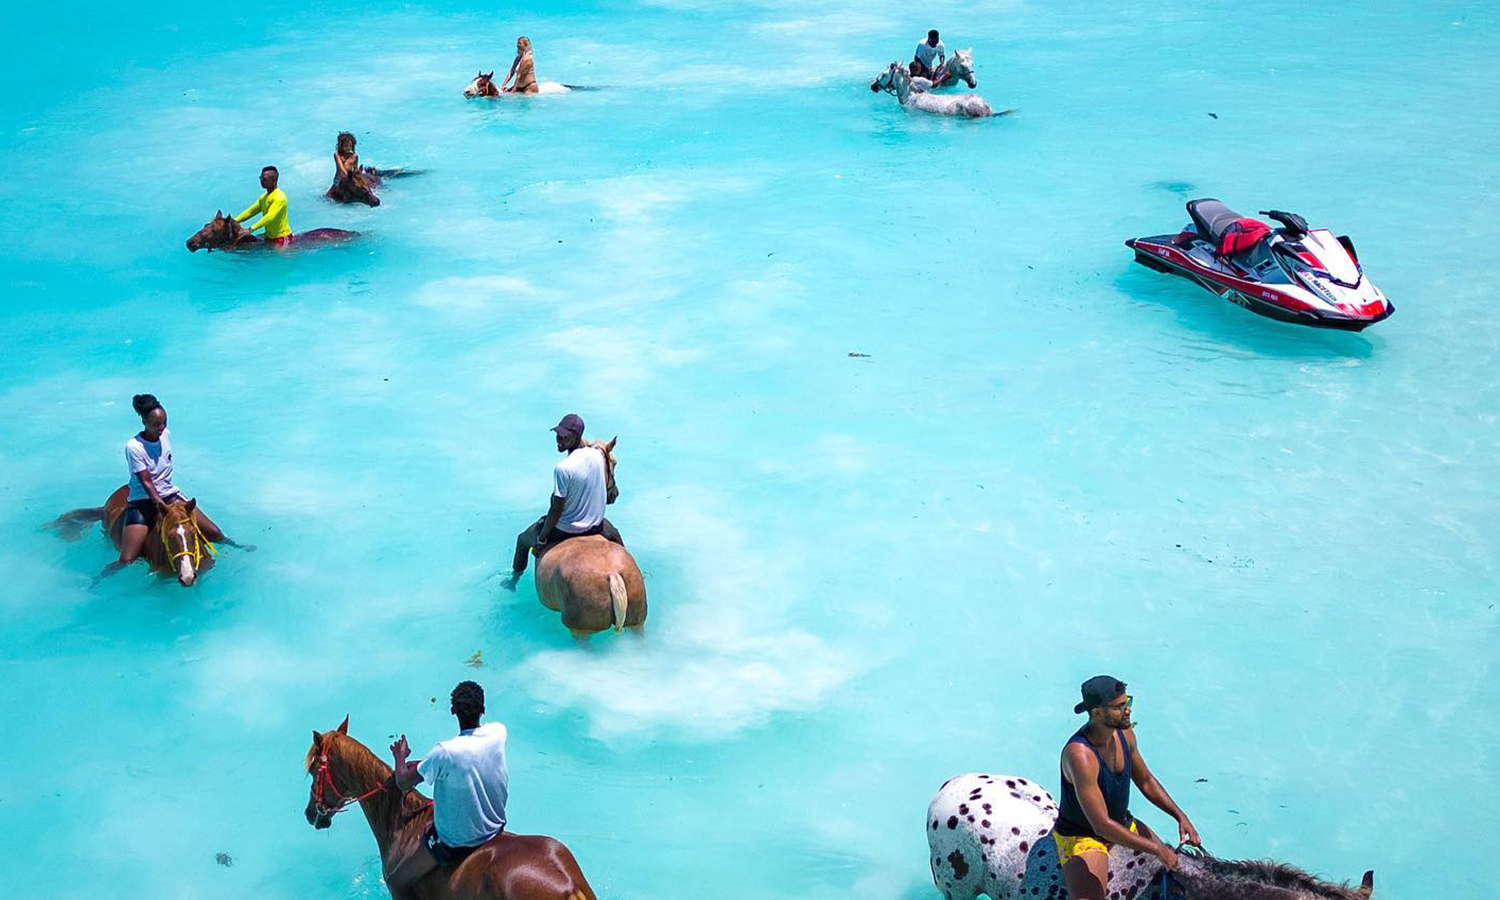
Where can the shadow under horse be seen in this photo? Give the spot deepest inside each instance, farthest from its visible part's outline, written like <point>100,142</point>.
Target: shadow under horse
<point>507,867</point>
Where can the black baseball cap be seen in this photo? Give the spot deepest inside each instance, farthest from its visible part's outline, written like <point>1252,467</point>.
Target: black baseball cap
<point>570,424</point>
<point>1098,691</point>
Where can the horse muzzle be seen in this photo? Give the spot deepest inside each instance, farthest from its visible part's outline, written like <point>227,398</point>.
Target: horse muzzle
<point>193,244</point>
<point>316,817</point>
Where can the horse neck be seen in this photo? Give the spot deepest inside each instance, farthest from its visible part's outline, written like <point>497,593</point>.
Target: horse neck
<point>903,88</point>
<point>358,770</point>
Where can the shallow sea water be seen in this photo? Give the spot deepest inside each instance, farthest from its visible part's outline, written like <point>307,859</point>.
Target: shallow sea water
<point>866,573</point>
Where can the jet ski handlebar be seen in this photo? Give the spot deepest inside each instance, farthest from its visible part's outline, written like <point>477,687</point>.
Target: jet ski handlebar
<point>1295,225</point>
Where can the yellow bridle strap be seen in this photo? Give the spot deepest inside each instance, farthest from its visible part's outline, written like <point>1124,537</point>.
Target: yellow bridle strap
<point>196,552</point>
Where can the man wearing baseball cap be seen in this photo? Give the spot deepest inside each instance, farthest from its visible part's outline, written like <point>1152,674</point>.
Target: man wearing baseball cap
<point>579,494</point>
<point>1098,764</point>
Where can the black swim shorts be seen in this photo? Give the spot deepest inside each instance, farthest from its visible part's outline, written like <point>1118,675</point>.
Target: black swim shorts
<point>444,854</point>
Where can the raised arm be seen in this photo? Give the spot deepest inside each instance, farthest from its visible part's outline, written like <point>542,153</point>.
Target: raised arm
<point>1152,790</point>
<point>405,775</point>
<point>1082,769</point>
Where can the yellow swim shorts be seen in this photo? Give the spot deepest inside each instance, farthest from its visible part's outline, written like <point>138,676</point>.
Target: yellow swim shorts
<point>1069,847</point>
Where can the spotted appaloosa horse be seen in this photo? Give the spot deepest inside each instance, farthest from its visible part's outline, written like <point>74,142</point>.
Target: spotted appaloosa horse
<point>507,867</point>
<point>992,835</point>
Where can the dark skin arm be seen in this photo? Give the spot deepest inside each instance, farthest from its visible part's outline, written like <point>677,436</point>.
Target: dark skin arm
<point>1081,767</point>
<point>1152,790</point>
<point>144,476</point>
<point>554,512</point>
<point>405,775</point>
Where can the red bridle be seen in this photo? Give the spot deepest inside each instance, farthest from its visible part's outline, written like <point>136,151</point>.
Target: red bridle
<point>323,780</point>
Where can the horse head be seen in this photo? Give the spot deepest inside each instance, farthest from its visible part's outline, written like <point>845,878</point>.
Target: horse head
<point>1201,876</point>
<point>483,85</point>
<point>326,764</point>
<point>962,66</point>
<point>221,231</point>
<point>611,492</point>
<point>355,187</point>
<point>182,542</point>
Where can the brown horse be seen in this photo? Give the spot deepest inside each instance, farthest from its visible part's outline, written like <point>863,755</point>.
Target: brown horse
<point>594,582</point>
<point>224,233</point>
<point>360,187</point>
<point>483,85</point>
<point>508,867</point>
<point>175,545</point>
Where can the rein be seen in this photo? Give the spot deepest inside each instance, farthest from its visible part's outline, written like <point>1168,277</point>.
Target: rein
<point>323,779</point>
<point>196,551</point>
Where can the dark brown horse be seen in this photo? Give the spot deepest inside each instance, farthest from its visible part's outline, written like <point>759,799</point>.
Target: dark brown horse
<point>360,186</point>
<point>224,233</point>
<point>509,867</point>
<point>175,545</point>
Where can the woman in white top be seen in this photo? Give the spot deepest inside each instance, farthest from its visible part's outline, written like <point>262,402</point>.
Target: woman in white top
<point>148,458</point>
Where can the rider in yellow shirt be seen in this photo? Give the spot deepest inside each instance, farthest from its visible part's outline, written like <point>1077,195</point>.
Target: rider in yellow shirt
<point>272,209</point>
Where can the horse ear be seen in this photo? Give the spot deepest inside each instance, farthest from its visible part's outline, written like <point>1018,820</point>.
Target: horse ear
<point>317,738</point>
<point>192,504</point>
<point>610,447</point>
<point>344,726</point>
<point>1367,884</point>
<point>491,75</point>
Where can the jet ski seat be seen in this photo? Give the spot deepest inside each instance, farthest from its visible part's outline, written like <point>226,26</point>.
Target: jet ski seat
<point>1212,218</point>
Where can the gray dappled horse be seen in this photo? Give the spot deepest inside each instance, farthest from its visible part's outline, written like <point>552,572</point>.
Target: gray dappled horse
<point>895,80</point>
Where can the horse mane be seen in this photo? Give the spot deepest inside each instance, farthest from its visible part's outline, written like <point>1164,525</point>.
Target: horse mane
<point>365,768</point>
<point>1278,875</point>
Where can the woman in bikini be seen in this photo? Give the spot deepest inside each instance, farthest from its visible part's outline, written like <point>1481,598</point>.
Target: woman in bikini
<point>523,70</point>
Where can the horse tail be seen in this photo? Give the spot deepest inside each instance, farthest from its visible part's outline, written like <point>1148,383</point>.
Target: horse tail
<point>582,87</point>
<point>1007,112</point>
<point>619,598</point>
<point>70,524</point>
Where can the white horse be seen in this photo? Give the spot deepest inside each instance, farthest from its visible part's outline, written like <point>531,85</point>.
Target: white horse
<point>992,835</point>
<point>895,80</point>
<point>959,68</point>
<point>484,85</point>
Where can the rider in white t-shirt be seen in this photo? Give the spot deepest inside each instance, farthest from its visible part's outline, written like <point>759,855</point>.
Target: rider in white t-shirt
<point>148,466</point>
<point>927,51</point>
<point>470,786</point>
<point>579,495</point>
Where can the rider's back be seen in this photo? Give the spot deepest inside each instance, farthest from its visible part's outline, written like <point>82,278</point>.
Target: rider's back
<point>470,785</point>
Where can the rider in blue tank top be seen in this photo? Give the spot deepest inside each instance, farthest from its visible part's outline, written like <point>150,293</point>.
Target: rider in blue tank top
<point>1099,763</point>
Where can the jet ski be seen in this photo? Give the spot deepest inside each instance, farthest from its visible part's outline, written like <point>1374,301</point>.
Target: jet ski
<point>1292,273</point>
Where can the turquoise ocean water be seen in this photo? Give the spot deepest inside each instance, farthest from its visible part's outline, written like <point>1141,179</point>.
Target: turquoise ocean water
<point>866,573</point>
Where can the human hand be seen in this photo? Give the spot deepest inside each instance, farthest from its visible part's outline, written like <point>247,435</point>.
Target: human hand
<point>1186,833</point>
<point>400,750</point>
<point>1168,857</point>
